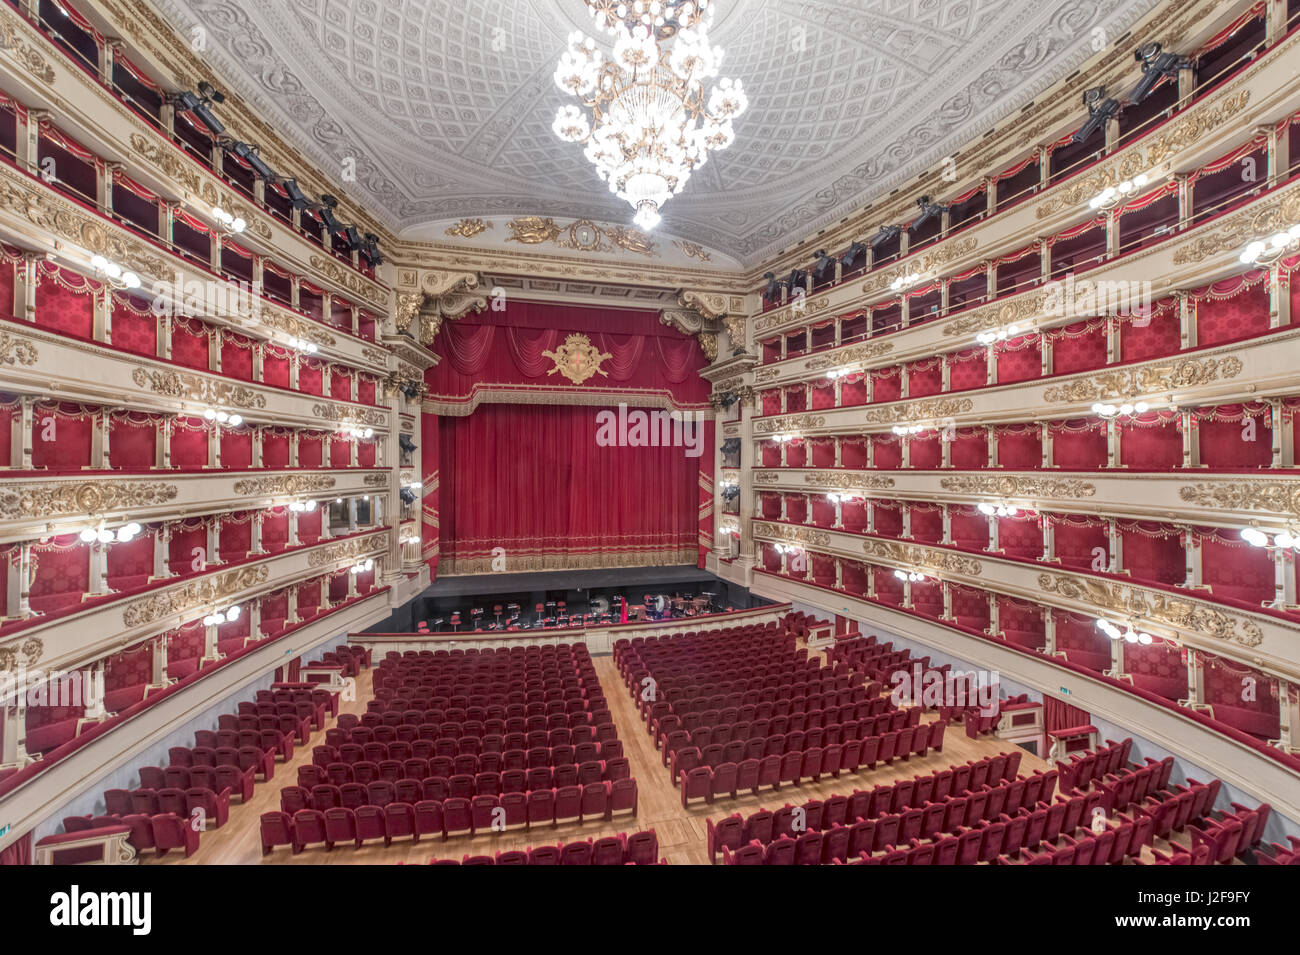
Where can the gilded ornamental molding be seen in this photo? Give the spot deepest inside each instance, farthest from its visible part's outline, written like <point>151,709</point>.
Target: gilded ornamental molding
<point>340,413</point>
<point>932,260</point>
<point>1180,613</point>
<point>16,351</point>
<point>1245,494</point>
<point>28,56</point>
<point>346,550</point>
<point>44,499</point>
<point>284,485</point>
<point>192,387</point>
<point>845,480</point>
<point>927,408</point>
<point>1019,487</point>
<point>799,535</point>
<point>198,593</point>
<point>1232,232</point>
<point>31,650</point>
<point>1155,377</point>
<point>867,351</point>
<point>932,559</point>
<point>797,422</point>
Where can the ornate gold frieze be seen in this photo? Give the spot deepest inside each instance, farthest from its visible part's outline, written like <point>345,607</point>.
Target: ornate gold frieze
<point>345,413</point>
<point>1200,120</point>
<point>44,499</point>
<point>1245,494</point>
<point>931,559</point>
<point>28,56</point>
<point>767,477</point>
<point>925,265</point>
<point>766,374</point>
<point>377,355</point>
<point>798,535</point>
<point>867,351</point>
<point>790,311</point>
<point>284,485</point>
<point>797,422</point>
<point>376,480</point>
<point>31,650</point>
<point>578,359</point>
<point>582,235</point>
<point>346,550</point>
<point>468,228</point>
<point>173,165</point>
<point>1021,487</point>
<point>1123,600</point>
<point>1145,380</point>
<point>1232,232</point>
<point>927,408</point>
<point>176,384</point>
<point>298,328</point>
<point>349,278</point>
<point>693,251</point>
<point>846,480</point>
<point>16,351</point>
<point>998,314</point>
<point>207,591</point>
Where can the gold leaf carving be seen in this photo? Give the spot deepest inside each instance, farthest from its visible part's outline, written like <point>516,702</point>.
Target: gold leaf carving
<point>207,590</point>
<point>933,559</point>
<point>849,356</point>
<point>175,384</point>
<point>577,359</point>
<point>1145,379</point>
<point>1015,486</point>
<point>47,499</point>
<point>926,408</point>
<point>847,480</point>
<point>346,550</point>
<point>799,422</point>
<point>468,228</point>
<point>31,650</point>
<point>1243,494</point>
<point>346,413</point>
<point>16,351</point>
<point>284,485</point>
<point>787,532</point>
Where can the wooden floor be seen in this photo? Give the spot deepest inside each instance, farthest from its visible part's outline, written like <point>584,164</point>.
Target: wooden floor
<point>681,831</point>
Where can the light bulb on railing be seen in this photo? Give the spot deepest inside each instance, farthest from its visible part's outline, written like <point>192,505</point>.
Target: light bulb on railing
<point>900,575</point>
<point>1254,536</point>
<point>987,509</point>
<point>88,535</point>
<point>233,613</point>
<point>235,420</point>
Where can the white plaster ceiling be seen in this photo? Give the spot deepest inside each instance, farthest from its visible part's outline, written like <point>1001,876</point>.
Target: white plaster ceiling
<point>446,106</point>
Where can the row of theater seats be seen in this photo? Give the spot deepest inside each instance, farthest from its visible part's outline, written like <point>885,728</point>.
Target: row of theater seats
<point>174,805</point>
<point>395,761</point>
<point>916,793</point>
<point>364,777</point>
<point>317,818</point>
<point>640,848</point>
<point>704,783</point>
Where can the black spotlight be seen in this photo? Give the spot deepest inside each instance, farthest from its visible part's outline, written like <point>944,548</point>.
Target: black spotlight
<point>855,251</point>
<point>405,443</point>
<point>823,266</point>
<point>1156,65</point>
<point>248,153</point>
<point>352,236</point>
<point>201,105</point>
<point>411,390</point>
<point>295,193</point>
<point>886,234</point>
<point>407,495</point>
<point>1100,109</point>
<point>327,205</point>
<point>371,249</point>
<point>772,291</point>
<point>798,279</point>
<point>928,210</point>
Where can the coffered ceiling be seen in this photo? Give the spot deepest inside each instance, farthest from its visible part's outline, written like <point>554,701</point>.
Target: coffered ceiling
<point>446,107</point>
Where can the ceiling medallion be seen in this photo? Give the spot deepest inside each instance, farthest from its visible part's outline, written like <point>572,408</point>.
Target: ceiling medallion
<point>577,359</point>
<point>582,235</point>
<point>651,123</point>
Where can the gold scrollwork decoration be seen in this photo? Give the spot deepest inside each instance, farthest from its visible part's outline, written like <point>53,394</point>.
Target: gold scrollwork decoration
<point>1019,487</point>
<point>47,499</point>
<point>1146,379</point>
<point>284,485</point>
<point>578,359</point>
<point>205,591</point>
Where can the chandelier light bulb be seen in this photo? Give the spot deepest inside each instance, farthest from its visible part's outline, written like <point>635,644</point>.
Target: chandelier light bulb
<point>1254,536</point>
<point>88,535</point>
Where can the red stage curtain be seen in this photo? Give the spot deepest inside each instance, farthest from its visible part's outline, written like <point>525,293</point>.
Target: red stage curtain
<point>568,496</point>
<point>190,343</point>
<point>135,326</point>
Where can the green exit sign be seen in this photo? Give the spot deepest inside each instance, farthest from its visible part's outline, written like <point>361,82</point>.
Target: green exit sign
<point>1065,690</point>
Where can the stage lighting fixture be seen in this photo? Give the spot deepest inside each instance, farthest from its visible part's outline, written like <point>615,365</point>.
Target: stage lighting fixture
<point>411,390</point>
<point>798,279</point>
<point>1156,65</point>
<point>928,210</point>
<point>248,153</point>
<point>850,256</point>
<point>200,105</point>
<point>823,266</point>
<point>1100,109</point>
<point>407,495</point>
<point>772,291</point>
<point>405,443</point>
<point>352,236</point>
<point>886,233</point>
<point>295,193</point>
<point>371,249</point>
<point>327,205</point>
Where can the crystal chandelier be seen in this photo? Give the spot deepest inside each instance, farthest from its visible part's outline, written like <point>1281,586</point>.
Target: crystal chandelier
<point>652,122</point>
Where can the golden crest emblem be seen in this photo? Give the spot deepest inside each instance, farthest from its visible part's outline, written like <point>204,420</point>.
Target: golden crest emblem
<point>577,359</point>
